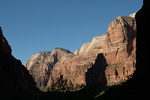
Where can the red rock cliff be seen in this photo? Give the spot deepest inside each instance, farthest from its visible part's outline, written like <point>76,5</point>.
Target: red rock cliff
<point>106,60</point>
<point>119,49</point>
<point>118,52</point>
<point>138,87</point>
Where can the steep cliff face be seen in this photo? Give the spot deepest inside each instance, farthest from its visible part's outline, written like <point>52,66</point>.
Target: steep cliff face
<point>75,68</point>
<point>82,49</point>
<point>15,80</point>
<point>41,64</point>
<point>97,42</point>
<point>137,87</point>
<point>106,60</point>
<point>132,15</point>
<point>119,49</point>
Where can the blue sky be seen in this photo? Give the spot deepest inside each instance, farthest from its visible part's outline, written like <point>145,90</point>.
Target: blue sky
<point>32,26</point>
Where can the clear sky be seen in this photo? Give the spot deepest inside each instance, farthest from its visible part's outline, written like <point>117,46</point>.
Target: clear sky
<point>32,26</point>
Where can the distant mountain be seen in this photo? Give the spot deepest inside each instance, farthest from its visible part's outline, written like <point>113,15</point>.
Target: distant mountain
<point>95,43</point>
<point>106,60</point>
<point>41,64</point>
<point>114,62</point>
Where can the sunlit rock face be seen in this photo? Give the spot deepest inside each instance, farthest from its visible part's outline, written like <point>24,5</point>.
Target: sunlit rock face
<point>97,42</point>
<point>133,88</point>
<point>41,64</point>
<point>132,15</point>
<point>109,57</point>
<point>119,49</point>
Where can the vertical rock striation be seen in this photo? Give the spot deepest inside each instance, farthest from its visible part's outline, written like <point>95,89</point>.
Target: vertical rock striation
<point>106,60</point>
<point>119,49</point>
<point>137,87</point>
<point>41,64</point>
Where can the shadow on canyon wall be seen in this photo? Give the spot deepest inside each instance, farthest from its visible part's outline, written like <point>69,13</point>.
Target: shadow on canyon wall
<point>95,83</point>
<point>137,87</point>
<point>95,77</point>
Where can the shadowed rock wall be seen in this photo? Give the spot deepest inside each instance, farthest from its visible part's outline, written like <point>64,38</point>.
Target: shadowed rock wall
<point>15,80</point>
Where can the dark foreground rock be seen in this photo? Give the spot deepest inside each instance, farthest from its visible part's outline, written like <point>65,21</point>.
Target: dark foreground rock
<point>15,80</point>
<point>138,87</point>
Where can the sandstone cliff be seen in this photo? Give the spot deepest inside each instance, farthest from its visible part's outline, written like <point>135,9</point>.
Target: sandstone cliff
<point>119,49</point>
<point>97,42</point>
<point>137,87</point>
<point>132,15</point>
<point>15,84</point>
<point>106,60</point>
<point>41,64</point>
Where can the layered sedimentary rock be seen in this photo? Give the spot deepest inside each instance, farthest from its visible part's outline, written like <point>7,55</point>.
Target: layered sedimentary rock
<point>41,64</point>
<point>75,69</point>
<point>97,42</point>
<point>132,15</point>
<point>82,49</point>
<point>15,80</point>
<point>106,60</point>
<point>119,48</point>
<point>138,87</point>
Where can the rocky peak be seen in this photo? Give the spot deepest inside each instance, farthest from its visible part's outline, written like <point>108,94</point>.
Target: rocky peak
<point>77,52</point>
<point>108,57</point>
<point>61,54</point>
<point>119,48</point>
<point>121,21</point>
<point>36,57</point>
<point>141,76</point>
<point>132,15</point>
<point>41,64</point>
<point>118,28</point>
<point>97,41</point>
<point>82,49</point>
<point>61,50</point>
<point>5,48</point>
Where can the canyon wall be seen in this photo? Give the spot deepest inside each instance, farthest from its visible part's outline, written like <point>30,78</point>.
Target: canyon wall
<point>137,87</point>
<point>106,60</point>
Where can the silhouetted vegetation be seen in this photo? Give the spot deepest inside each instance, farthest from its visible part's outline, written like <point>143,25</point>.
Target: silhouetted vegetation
<point>133,89</point>
<point>64,85</point>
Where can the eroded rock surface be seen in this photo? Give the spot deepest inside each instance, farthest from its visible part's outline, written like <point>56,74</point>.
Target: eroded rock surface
<point>97,42</point>
<point>41,64</point>
<point>119,49</point>
<point>137,87</point>
<point>132,15</point>
<point>106,60</point>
